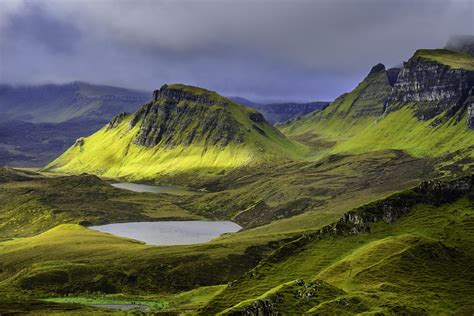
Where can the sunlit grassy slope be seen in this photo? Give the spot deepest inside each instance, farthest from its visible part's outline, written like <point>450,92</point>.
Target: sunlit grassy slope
<point>453,59</point>
<point>337,129</point>
<point>113,152</point>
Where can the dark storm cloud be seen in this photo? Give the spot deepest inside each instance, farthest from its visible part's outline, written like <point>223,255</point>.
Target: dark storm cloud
<point>262,49</point>
<point>38,28</point>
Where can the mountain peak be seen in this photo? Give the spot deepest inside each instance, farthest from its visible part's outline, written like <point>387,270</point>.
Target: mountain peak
<point>377,68</point>
<point>178,92</point>
<point>184,129</point>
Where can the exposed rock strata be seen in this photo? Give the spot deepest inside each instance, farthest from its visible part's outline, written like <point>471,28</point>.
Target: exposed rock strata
<point>434,86</point>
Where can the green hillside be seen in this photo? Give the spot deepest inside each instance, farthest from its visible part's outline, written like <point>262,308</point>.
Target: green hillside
<point>186,129</point>
<point>425,123</point>
<point>453,59</point>
<point>408,254</point>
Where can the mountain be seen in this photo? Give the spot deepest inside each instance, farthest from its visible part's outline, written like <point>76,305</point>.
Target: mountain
<point>373,216</point>
<point>39,122</point>
<point>53,103</point>
<point>427,111</point>
<point>184,129</point>
<point>281,112</point>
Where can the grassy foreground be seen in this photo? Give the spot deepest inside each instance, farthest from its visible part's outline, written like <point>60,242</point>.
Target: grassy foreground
<point>419,263</point>
<point>409,253</point>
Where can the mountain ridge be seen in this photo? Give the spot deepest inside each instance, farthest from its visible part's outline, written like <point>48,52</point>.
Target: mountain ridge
<point>428,111</point>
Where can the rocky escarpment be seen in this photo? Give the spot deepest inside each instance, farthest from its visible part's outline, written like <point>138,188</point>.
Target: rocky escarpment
<point>256,308</point>
<point>470,115</point>
<point>434,192</point>
<point>184,115</point>
<point>117,119</point>
<point>179,117</point>
<point>435,85</point>
<point>177,95</point>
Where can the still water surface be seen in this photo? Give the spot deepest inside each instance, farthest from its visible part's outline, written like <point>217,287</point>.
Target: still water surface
<point>172,232</point>
<point>153,188</point>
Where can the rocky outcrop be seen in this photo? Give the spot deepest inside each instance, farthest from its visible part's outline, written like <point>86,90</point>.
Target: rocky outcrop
<point>376,69</point>
<point>374,91</point>
<point>436,87</point>
<point>262,307</point>
<point>435,192</point>
<point>256,117</point>
<point>117,119</point>
<point>470,115</point>
<point>184,115</point>
<point>172,125</point>
<point>177,95</point>
<point>392,75</point>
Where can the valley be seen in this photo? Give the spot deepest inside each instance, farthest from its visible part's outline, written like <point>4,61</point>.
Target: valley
<point>365,206</point>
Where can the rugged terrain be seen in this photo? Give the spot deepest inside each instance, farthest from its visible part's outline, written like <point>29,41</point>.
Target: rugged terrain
<point>426,111</point>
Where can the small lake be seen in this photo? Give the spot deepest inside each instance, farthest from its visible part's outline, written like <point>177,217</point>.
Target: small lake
<point>172,232</point>
<point>153,188</point>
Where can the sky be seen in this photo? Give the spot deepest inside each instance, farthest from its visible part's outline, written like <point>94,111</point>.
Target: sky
<point>264,50</point>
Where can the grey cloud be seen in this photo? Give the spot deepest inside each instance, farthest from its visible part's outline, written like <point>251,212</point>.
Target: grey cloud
<point>280,49</point>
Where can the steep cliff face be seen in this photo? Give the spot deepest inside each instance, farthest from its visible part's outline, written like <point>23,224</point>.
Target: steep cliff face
<point>432,79</point>
<point>426,109</point>
<point>470,116</point>
<point>180,117</point>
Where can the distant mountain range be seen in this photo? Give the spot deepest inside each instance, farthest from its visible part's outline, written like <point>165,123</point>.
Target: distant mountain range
<point>281,112</point>
<point>53,103</point>
<point>37,123</point>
